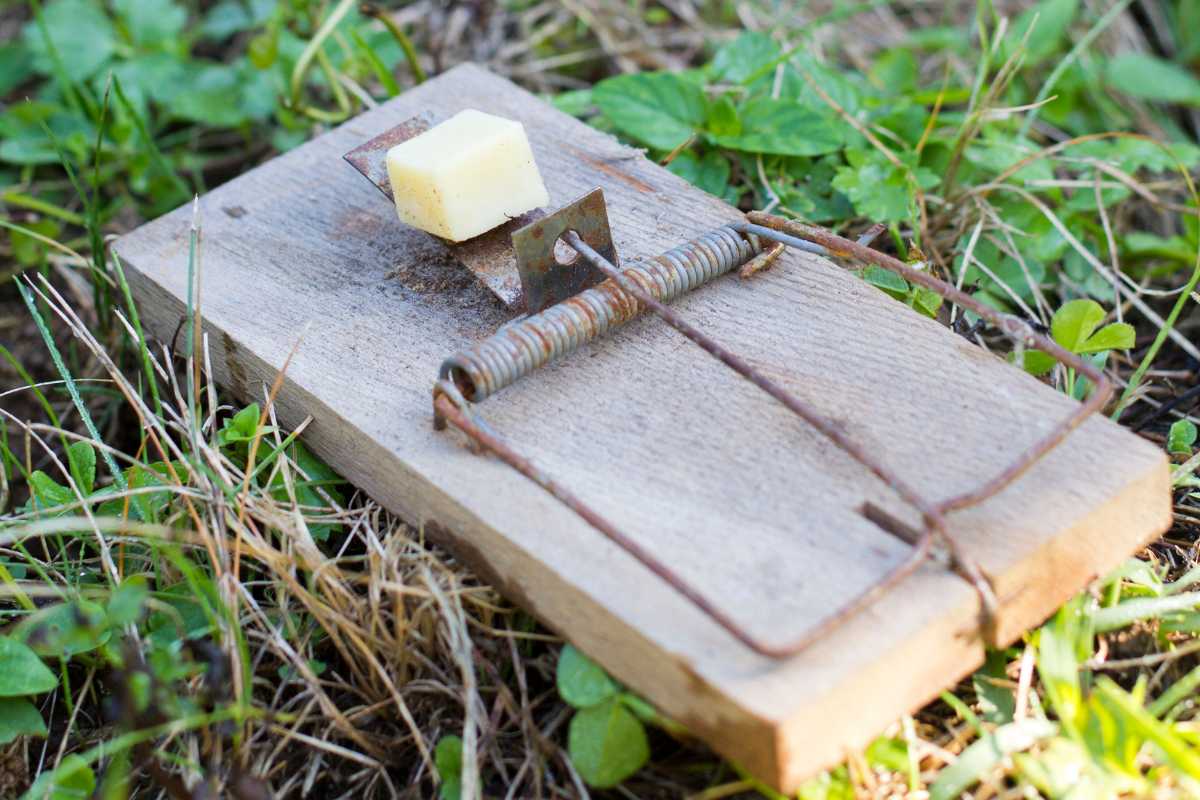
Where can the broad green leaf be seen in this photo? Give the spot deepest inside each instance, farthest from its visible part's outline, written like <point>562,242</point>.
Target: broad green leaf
<point>607,743</point>
<point>28,250</point>
<point>1074,323</point>
<point>833,784</point>
<point>657,108</point>
<point>1038,363</point>
<point>152,23</point>
<point>782,127</point>
<point>225,19</point>
<point>1045,23</point>
<point>21,671</point>
<point>19,717</point>
<point>447,757</point>
<point>187,618</point>
<point>886,280</point>
<point>581,681</point>
<point>23,138</point>
<point>1151,78</point>
<point>1115,336</point>
<point>264,49</point>
<point>926,301</point>
<point>16,65</point>
<point>576,103</point>
<point>48,493</point>
<point>896,70</point>
<point>1139,244</point>
<point>81,457</point>
<point>64,630</point>
<point>985,754</point>
<point>72,780</point>
<point>709,172</point>
<point>743,57</point>
<point>879,190</point>
<point>211,94</point>
<point>126,602</point>
<point>723,119</point>
<point>1181,437</point>
<point>81,34</point>
<point>888,752</point>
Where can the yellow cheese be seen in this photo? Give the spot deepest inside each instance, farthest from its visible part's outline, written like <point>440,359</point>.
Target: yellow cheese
<point>465,176</point>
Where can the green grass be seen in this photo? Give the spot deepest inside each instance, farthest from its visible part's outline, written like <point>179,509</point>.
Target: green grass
<point>210,603</point>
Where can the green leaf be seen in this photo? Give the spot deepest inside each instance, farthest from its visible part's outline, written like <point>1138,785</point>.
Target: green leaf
<point>81,34</point>
<point>21,671</point>
<point>81,457</point>
<point>723,119</point>
<point>23,138</point>
<point>1181,437</point>
<point>896,70</point>
<point>709,172</point>
<point>879,190</point>
<point>64,630</point>
<point>1038,363</point>
<point>28,250</point>
<point>16,65</point>
<point>1046,23</point>
<point>659,109</point>
<point>264,49</point>
<point>126,602</point>
<point>73,780</point>
<point>833,784</point>
<point>576,102</point>
<point>1074,323</point>
<point>447,757</point>
<point>888,752</point>
<point>225,19</point>
<point>926,301</point>
<point>1114,336</point>
<point>607,744</point>
<point>996,701</point>
<point>985,754</point>
<point>782,127</point>
<point>48,493</point>
<point>581,681</point>
<point>886,280</point>
<point>1139,244</point>
<point>743,57</point>
<point>1151,78</point>
<point>19,717</point>
<point>211,94</point>
<point>152,23</point>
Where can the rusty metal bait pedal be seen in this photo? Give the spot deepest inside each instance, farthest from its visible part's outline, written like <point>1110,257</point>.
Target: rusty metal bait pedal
<point>573,302</point>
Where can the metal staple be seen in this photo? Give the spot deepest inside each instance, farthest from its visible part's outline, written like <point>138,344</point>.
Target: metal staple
<point>522,346</point>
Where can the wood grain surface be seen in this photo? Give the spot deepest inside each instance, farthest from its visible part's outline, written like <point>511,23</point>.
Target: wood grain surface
<point>700,466</point>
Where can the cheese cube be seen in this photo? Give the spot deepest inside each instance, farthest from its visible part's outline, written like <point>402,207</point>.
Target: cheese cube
<point>465,176</point>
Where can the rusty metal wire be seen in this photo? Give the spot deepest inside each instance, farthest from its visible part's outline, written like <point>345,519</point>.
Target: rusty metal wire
<point>515,351</point>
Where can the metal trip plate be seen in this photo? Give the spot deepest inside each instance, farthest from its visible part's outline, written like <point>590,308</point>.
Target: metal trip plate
<point>545,278</point>
<point>489,256</point>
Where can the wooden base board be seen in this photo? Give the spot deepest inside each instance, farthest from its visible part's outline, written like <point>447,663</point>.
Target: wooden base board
<point>705,469</point>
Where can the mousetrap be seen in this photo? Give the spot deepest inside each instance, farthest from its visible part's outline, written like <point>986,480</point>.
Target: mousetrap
<point>774,501</point>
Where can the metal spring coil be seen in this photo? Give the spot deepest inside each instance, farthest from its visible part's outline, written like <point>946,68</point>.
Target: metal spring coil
<point>522,346</point>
